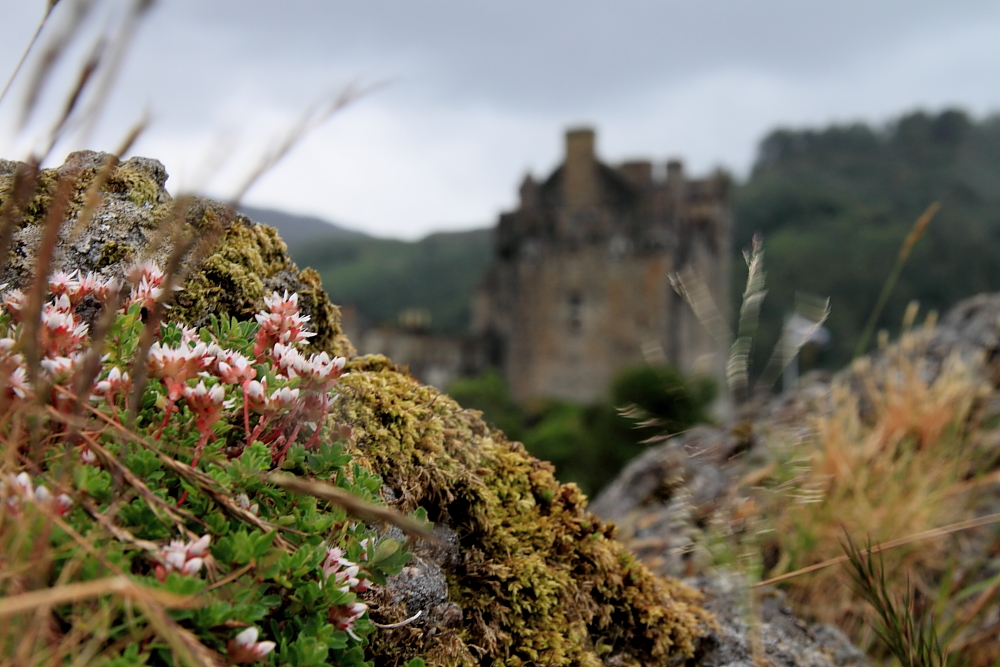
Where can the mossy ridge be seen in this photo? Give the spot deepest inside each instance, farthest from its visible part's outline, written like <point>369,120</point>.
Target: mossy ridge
<point>542,581</point>
<point>131,180</point>
<point>248,262</point>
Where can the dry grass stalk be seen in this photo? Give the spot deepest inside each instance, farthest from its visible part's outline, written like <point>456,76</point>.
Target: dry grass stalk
<point>121,586</point>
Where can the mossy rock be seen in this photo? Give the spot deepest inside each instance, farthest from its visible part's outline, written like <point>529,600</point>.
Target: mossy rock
<point>232,261</point>
<point>527,575</point>
<point>539,579</point>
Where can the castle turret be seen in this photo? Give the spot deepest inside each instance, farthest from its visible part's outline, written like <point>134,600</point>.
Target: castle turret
<point>529,193</point>
<point>580,186</point>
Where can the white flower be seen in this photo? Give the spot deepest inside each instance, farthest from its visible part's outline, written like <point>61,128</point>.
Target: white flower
<point>244,647</point>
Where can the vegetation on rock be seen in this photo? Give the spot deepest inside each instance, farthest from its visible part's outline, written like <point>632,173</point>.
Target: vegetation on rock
<point>532,577</point>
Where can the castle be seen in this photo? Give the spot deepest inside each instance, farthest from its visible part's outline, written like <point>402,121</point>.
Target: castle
<point>580,283</point>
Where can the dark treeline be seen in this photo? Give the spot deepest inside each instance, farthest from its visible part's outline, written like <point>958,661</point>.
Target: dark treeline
<point>835,205</point>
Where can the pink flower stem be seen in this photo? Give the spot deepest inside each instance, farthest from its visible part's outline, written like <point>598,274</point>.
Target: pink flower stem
<point>311,442</point>
<point>319,428</point>
<point>198,449</point>
<point>261,425</point>
<point>284,450</point>
<point>246,407</point>
<point>166,418</point>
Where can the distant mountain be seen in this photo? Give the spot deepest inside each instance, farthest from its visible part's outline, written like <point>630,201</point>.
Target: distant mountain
<point>298,229</point>
<point>381,278</point>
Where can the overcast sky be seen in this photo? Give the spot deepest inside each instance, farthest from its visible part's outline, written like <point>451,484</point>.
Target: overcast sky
<point>476,92</point>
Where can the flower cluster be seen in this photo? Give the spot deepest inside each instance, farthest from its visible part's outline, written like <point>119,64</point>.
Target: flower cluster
<point>22,488</point>
<point>147,285</point>
<point>346,576</point>
<point>198,385</point>
<point>193,369</point>
<point>62,334</point>
<point>281,323</point>
<point>180,556</point>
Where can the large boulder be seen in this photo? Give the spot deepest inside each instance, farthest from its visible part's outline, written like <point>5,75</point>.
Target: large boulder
<point>523,573</point>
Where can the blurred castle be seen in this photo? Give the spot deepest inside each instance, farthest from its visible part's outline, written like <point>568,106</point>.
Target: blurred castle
<point>579,287</point>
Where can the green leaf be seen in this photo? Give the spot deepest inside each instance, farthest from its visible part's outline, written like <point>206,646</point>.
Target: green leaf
<point>385,549</point>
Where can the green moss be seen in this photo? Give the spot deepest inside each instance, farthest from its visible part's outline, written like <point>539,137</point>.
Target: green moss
<point>541,580</point>
<point>137,186</point>
<point>113,253</point>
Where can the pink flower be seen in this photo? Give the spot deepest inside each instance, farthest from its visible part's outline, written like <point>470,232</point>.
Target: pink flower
<point>63,283</point>
<point>281,323</point>
<point>244,647</point>
<point>145,294</point>
<point>243,500</point>
<point>104,290</point>
<point>236,369</point>
<point>184,557</point>
<point>147,271</point>
<point>62,332</point>
<point>58,369</point>
<point>189,335</point>
<point>60,504</point>
<point>88,457</point>
<point>39,495</point>
<point>176,365</point>
<point>346,574</point>
<point>282,400</point>
<point>344,617</point>
<point>15,301</point>
<point>206,403</point>
<point>256,393</point>
<point>87,285</point>
<point>17,383</point>
<point>114,381</point>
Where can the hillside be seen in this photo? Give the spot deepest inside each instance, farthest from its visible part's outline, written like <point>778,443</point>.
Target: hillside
<point>298,229</point>
<point>383,277</point>
<point>834,206</point>
<point>380,277</point>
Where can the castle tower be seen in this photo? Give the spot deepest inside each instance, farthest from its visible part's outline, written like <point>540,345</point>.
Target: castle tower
<point>579,288</point>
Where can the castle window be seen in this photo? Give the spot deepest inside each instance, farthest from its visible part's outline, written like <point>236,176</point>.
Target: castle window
<point>575,312</point>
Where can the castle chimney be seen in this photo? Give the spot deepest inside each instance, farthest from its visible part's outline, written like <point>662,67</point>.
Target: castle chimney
<point>580,170</point>
<point>675,172</point>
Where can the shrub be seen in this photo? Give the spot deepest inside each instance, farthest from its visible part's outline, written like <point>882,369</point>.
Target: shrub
<point>590,444</point>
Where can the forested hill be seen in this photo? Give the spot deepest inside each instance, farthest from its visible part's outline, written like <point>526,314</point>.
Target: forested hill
<point>381,278</point>
<point>834,206</point>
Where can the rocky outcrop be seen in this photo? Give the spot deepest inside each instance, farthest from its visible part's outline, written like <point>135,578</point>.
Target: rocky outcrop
<point>665,500</point>
<point>231,265</point>
<point>524,574</point>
